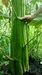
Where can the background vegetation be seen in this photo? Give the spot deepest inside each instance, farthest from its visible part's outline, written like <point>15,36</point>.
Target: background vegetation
<point>34,29</point>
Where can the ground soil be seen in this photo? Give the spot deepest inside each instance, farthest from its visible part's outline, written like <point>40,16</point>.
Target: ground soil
<point>35,67</point>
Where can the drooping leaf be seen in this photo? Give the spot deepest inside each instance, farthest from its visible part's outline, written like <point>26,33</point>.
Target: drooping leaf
<point>37,21</point>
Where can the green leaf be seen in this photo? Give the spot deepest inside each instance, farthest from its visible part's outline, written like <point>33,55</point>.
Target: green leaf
<point>37,21</point>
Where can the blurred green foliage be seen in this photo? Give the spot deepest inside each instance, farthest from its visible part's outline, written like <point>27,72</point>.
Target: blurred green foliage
<point>35,27</point>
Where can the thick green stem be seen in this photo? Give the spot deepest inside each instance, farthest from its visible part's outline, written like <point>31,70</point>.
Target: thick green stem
<point>18,40</point>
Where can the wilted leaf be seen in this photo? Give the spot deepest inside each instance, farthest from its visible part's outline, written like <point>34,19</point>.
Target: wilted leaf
<point>5,2</point>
